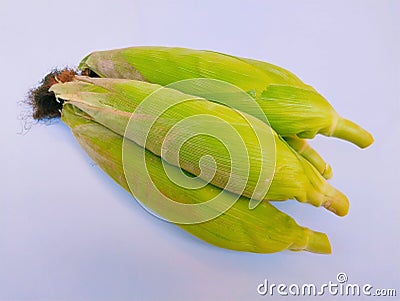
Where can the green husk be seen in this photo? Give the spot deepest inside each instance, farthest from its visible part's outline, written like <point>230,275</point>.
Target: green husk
<point>311,155</point>
<point>292,107</point>
<point>262,230</point>
<point>110,102</point>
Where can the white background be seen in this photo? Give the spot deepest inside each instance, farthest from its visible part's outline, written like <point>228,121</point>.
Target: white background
<point>67,232</point>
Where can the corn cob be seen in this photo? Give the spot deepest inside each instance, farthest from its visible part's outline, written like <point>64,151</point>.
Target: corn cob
<point>262,230</point>
<point>278,74</point>
<point>110,102</point>
<point>292,107</point>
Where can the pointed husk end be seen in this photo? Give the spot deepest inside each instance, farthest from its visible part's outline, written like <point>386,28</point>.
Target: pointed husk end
<point>336,201</point>
<point>352,132</point>
<point>318,242</point>
<point>315,242</point>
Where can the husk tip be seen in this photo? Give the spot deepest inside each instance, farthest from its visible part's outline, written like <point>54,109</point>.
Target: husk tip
<point>352,132</point>
<point>336,202</point>
<point>318,242</point>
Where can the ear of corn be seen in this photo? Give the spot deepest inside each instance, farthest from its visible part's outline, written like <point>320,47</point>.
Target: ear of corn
<point>292,107</point>
<point>227,94</point>
<point>110,102</point>
<point>263,229</point>
<point>217,154</point>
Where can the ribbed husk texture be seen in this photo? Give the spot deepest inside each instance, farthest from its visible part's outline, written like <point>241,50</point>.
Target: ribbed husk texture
<point>111,103</point>
<point>264,229</point>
